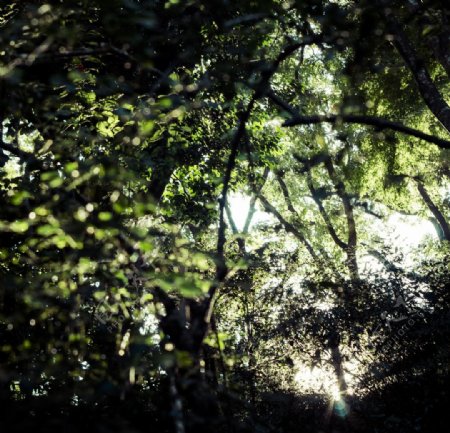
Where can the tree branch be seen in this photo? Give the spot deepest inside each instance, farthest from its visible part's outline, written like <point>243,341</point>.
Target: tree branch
<point>351,224</point>
<point>240,241</point>
<point>430,93</point>
<point>288,226</point>
<point>285,192</point>
<point>392,267</point>
<point>434,209</point>
<point>341,244</point>
<point>252,207</point>
<point>377,122</point>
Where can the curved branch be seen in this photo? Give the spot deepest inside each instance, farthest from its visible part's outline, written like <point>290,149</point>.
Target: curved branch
<point>377,122</point>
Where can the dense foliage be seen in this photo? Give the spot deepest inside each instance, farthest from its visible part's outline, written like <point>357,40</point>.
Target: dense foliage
<point>227,216</point>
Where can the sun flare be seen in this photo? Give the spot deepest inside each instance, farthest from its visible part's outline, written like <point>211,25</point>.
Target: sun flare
<point>322,379</point>
<point>317,380</point>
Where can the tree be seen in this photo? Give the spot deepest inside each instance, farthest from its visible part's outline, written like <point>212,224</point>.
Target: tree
<point>130,296</point>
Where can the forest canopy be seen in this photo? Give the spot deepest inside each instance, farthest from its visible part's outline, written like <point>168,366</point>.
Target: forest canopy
<point>224,216</point>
